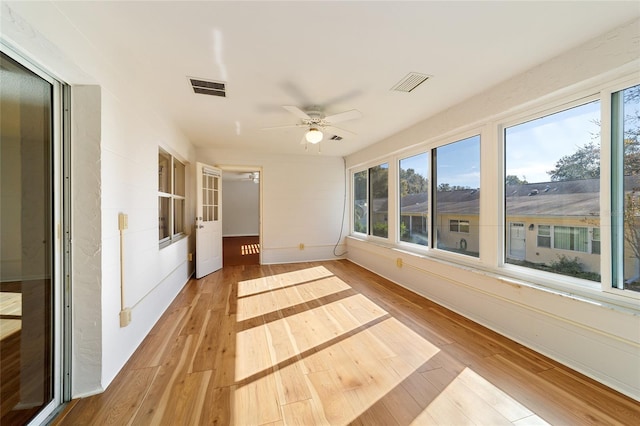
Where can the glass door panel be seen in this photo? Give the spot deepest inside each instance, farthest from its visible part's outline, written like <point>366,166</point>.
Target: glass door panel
<point>26,245</point>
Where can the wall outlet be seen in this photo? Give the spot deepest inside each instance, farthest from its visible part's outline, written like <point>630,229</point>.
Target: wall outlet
<point>190,257</point>
<point>125,317</point>
<point>301,246</point>
<point>399,262</point>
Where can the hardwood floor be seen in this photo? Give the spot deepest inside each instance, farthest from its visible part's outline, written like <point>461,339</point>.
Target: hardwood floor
<point>241,251</point>
<point>331,343</point>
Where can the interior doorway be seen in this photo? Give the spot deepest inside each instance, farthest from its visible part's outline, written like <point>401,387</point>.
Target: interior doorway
<point>241,215</point>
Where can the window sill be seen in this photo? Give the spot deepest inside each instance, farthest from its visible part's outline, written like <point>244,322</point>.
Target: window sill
<point>171,241</point>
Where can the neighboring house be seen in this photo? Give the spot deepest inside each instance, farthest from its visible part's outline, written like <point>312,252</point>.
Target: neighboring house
<point>544,221</point>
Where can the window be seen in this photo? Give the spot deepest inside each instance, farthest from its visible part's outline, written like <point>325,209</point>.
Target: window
<point>570,238</point>
<point>379,196</point>
<point>413,184</point>
<point>456,225</point>
<point>544,236</point>
<point>552,170</point>
<point>171,197</point>
<point>595,241</point>
<point>625,143</point>
<point>360,205</point>
<point>457,199</point>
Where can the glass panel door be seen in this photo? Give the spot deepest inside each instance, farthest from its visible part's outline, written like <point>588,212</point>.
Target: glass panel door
<point>26,245</point>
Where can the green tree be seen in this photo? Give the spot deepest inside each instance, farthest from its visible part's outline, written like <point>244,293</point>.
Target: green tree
<point>515,180</point>
<point>582,164</point>
<point>412,182</point>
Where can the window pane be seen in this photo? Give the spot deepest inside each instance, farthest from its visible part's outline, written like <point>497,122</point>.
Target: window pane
<point>379,206</point>
<point>178,216</point>
<point>164,172</point>
<point>163,219</point>
<point>552,174</point>
<point>595,241</point>
<point>544,236</point>
<point>414,203</point>
<point>631,190</point>
<point>178,178</point>
<point>360,208</point>
<point>458,196</point>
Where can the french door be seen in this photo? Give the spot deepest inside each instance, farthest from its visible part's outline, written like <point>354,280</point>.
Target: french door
<point>31,243</point>
<point>208,220</point>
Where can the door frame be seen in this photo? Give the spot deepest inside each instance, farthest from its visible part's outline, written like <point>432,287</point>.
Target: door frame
<point>250,169</point>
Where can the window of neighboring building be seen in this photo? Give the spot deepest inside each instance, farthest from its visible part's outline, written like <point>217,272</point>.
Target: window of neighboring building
<point>625,144</point>
<point>552,169</point>
<point>379,200</point>
<point>456,225</point>
<point>171,197</point>
<point>457,193</point>
<point>571,238</point>
<point>544,236</point>
<point>360,203</point>
<point>413,185</point>
<point>595,241</point>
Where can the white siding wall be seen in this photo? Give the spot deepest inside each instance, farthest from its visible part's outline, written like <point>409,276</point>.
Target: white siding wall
<point>302,202</point>
<point>240,208</point>
<point>115,141</point>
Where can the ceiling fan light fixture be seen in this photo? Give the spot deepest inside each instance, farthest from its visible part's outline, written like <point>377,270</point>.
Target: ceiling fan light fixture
<point>313,135</point>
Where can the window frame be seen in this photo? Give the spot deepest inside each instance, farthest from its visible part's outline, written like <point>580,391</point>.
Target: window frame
<point>173,183</point>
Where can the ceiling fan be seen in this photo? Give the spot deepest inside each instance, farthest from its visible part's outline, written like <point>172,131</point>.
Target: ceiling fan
<point>316,122</point>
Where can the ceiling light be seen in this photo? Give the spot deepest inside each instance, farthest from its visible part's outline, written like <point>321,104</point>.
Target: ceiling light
<point>313,135</point>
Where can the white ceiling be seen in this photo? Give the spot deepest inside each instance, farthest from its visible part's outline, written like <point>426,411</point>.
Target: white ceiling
<point>336,55</point>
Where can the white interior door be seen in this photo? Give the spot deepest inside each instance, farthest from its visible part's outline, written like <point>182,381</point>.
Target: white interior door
<point>208,220</point>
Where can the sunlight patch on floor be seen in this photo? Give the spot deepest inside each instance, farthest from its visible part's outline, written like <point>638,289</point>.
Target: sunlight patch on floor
<point>291,295</point>
<point>469,396</point>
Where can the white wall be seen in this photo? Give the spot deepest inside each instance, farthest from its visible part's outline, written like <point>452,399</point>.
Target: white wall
<point>302,202</point>
<point>599,339</point>
<point>115,141</point>
<point>240,208</point>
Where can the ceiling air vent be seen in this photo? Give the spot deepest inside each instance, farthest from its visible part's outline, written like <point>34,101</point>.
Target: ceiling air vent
<point>335,138</point>
<point>410,82</point>
<point>208,87</point>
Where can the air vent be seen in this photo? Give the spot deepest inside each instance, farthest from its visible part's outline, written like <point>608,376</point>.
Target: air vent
<point>208,87</point>
<point>410,82</point>
<point>335,138</point>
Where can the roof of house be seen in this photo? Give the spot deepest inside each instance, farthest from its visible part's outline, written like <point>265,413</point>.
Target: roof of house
<point>563,198</point>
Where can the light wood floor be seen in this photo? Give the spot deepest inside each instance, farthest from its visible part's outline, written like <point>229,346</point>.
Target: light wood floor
<point>331,343</point>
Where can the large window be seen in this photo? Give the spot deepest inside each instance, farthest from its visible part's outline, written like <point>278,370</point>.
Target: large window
<point>171,197</point>
<point>626,188</point>
<point>457,198</point>
<point>413,185</point>
<point>552,175</point>
<point>544,221</point>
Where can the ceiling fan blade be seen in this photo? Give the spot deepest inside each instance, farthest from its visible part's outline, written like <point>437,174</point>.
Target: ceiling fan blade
<point>343,116</point>
<point>340,132</point>
<point>297,112</point>
<point>287,126</point>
